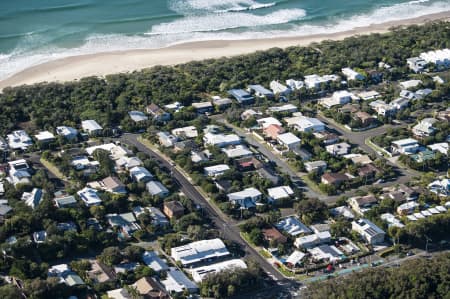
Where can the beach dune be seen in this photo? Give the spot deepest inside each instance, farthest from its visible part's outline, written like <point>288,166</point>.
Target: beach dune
<point>101,64</point>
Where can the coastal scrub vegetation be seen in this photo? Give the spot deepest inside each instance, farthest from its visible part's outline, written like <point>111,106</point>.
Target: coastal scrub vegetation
<point>417,278</point>
<point>108,100</point>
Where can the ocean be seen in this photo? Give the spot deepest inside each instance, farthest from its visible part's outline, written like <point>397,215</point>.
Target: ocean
<point>34,32</point>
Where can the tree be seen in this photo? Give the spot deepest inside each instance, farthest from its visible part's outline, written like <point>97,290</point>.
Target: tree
<point>110,256</point>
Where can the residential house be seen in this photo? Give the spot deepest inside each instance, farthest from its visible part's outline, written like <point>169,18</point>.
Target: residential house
<point>279,193</point>
<point>137,116</point>
<point>198,274</point>
<point>338,149</point>
<point>295,84</point>
<point>65,201</point>
<point>336,179</point>
<point>410,84</point>
<point>339,97</point>
<point>362,204</point>
<point>109,184</point>
<point>118,294</point>
<point>221,103</point>
<point>166,139</point>
<point>33,198</point>
<point>399,104</point>
<point>68,133</point>
<point>40,237</point>
<point>157,113</point>
<point>89,196</point>
<point>19,140</point>
<point>267,121</point>
<point>315,81</point>
<point>368,171</point>
<point>250,113</point>
<point>44,137</point>
<point>199,252</point>
<point>272,131</point>
<point>4,211</point>
<point>407,208</point>
<point>279,88</point>
<point>351,74</point>
<point>444,115</point>
<point>238,151</point>
<point>243,97</point>
<point>369,95</point>
<point>295,259</point>
<point>140,174</point>
<point>155,188</point>
<point>313,240</point>
<point>305,124</point>
<point>316,166</point>
<point>91,127</point>
<point>185,132</point>
<point>19,172</point>
<point>246,198</point>
<point>126,222</point>
<point>439,147</point>
<point>203,107</point>
<point>440,58</point>
<point>326,138</point>
<point>286,108</point>
<point>260,91</point>
<point>65,275</point>
<point>221,140</point>
<point>365,118</point>
<point>405,146</point>
<point>177,282</point>
<point>382,108</point>
<point>326,253</point>
<point>292,226</point>
<point>100,273</point>
<point>289,140</point>
<point>416,64</point>
<point>425,127</point>
<point>128,162</point>
<point>149,288</point>
<point>173,209</point>
<point>216,170</point>
<point>371,233</point>
<point>152,260</point>
<point>273,236</point>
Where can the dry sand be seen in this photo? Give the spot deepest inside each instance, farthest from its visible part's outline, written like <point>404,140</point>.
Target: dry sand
<point>76,67</point>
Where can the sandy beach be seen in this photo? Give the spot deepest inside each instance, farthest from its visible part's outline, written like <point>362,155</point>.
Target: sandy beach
<point>100,64</point>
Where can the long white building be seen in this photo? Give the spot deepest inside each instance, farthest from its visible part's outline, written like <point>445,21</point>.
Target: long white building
<point>200,251</point>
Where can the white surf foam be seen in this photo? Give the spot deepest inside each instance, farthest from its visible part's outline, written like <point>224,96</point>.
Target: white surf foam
<point>218,22</point>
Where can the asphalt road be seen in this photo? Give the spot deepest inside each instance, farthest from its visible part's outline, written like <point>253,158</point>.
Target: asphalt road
<point>229,232</point>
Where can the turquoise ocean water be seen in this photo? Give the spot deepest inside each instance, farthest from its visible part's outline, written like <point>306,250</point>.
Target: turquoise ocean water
<point>37,31</point>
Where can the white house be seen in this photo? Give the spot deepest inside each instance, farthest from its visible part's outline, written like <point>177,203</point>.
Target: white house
<point>405,146</point>
<point>137,116</point>
<point>439,147</point>
<point>382,108</point>
<point>199,251</point>
<point>368,95</point>
<point>279,88</point>
<point>44,137</point>
<point>198,274</point>
<point>313,240</point>
<point>140,174</point>
<point>280,192</point>
<point>410,84</point>
<point>19,140</point>
<point>91,127</point>
<point>216,170</point>
<point>340,97</point>
<point>371,233</point>
<point>292,226</point>
<point>314,81</point>
<point>338,149</point>
<point>185,132</point>
<point>177,282</point>
<point>416,64</point>
<point>166,139</point>
<point>286,108</point>
<point>425,127</point>
<point>67,132</point>
<point>318,166</point>
<point>440,58</point>
<point>33,198</point>
<point>246,198</point>
<point>221,140</point>
<point>156,188</point>
<point>238,151</point>
<point>289,140</point>
<point>89,196</point>
<point>305,124</point>
<point>351,74</point>
<point>260,91</point>
<point>268,121</point>
<point>294,84</point>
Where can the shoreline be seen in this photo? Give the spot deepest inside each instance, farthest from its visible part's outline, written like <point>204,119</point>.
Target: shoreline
<point>105,63</point>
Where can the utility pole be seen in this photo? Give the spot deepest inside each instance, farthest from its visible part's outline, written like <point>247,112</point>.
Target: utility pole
<point>426,244</point>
